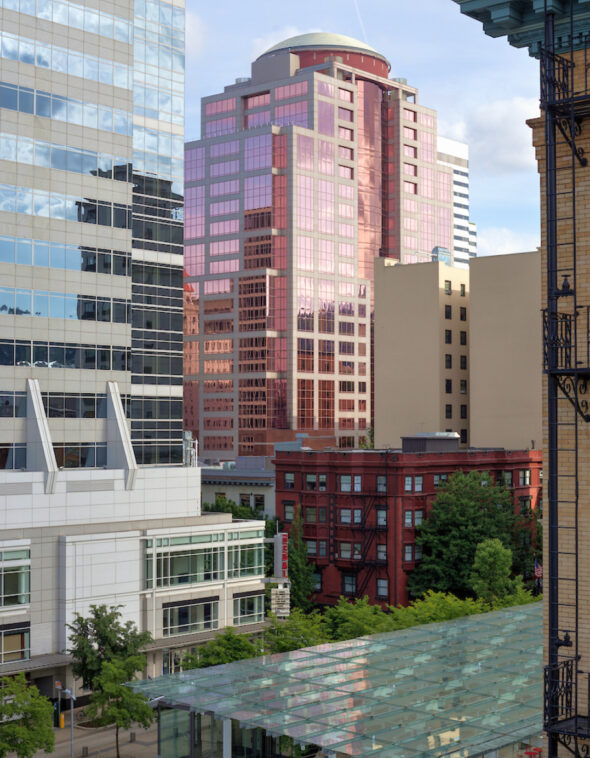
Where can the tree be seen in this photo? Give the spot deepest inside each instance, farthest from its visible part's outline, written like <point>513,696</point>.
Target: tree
<point>298,630</point>
<point>347,619</point>
<point>433,607</point>
<point>467,511</point>
<point>25,718</point>
<point>223,505</point>
<point>368,442</point>
<point>225,648</point>
<point>113,702</point>
<point>301,571</point>
<point>490,574</point>
<point>101,637</point>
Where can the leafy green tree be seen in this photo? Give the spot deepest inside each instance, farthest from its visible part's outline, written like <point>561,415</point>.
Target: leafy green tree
<point>433,607</point>
<point>348,619</point>
<point>301,571</point>
<point>298,630</point>
<point>227,646</point>
<point>224,505</point>
<point>113,702</point>
<point>25,719</point>
<point>101,637</point>
<point>368,443</point>
<point>491,571</point>
<point>468,510</point>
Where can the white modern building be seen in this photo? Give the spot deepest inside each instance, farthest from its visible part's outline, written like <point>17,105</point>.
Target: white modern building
<point>98,501</point>
<point>455,155</point>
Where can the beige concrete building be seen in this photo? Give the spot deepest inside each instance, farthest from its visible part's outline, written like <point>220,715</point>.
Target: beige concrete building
<point>421,351</point>
<point>505,351</point>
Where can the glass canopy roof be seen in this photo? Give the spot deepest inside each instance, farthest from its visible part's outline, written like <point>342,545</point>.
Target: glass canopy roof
<point>460,687</point>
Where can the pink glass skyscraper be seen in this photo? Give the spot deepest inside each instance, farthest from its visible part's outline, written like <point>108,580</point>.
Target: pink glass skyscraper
<point>305,173</point>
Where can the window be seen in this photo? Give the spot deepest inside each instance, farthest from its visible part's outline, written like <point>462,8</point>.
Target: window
<point>382,552</point>
<point>345,551</point>
<point>322,514</point>
<point>311,546</point>
<point>463,433</point>
<point>259,502</point>
<point>463,338</point>
<point>349,584</point>
<point>448,287</point>
<point>248,610</point>
<point>381,517</point>
<point>440,479</point>
<point>357,516</point>
<point>448,311</point>
<point>408,484</point>
<point>463,362</point>
<point>448,360</point>
<point>525,505</point>
<point>357,551</point>
<point>289,511</point>
<point>524,477</point>
<point>15,642</point>
<point>358,483</point>
<point>15,577</point>
<point>345,516</point>
<point>408,553</point>
<point>345,483</point>
<point>417,552</point>
<point>462,290</point>
<point>382,588</point>
<point>448,411</point>
<point>408,518</point>
<point>507,476</point>
<point>418,482</point>
<point>463,314</point>
<point>381,483</point>
<point>463,386</point>
<point>448,337</point>
<point>245,500</point>
<point>310,482</point>
<point>310,515</point>
<point>178,566</point>
<point>463,411</point>
<point>245,560</point>
<point>192,616</point>
<point>448,386</point>
<point>322,482</point>
<point>418,517</point>
<point>322,548</point>
<point>289,481</point>
<point>317,581</point>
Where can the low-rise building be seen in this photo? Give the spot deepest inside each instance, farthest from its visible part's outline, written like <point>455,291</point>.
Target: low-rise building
<point>248,481</point>
<point>360,508</point>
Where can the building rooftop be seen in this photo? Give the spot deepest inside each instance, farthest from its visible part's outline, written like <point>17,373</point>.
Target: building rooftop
<point>324,41</point>
<point>463,687</point>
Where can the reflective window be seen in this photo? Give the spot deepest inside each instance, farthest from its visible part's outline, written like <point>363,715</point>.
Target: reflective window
<point>15,643</point>
<point>248,610</point>
<point>15,577</point>
<point>189,618</point>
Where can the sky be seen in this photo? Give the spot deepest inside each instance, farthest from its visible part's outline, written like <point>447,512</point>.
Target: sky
<point>482,88</point>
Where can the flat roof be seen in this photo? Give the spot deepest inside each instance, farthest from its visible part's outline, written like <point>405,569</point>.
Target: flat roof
<point>457,688</point>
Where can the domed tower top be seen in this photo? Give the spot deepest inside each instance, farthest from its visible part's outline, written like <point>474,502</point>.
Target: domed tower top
<point>314,47</point>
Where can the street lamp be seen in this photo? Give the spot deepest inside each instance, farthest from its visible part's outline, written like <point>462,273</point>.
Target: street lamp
<point>72,701</point>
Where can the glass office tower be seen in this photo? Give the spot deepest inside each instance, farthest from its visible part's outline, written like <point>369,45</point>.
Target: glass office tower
<point>305,173</point>
<point>91,214</point>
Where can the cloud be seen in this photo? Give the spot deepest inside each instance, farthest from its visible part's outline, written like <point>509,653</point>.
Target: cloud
<point>499,140</point>
<point>261,44</point>
<point>196,35</point>
<point>500,240</point>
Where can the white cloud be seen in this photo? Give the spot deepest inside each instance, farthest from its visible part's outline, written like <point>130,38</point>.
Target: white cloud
<point>196,35</point>
<point>500,240</point>
<point>500,142</point>
<point>261,44</point>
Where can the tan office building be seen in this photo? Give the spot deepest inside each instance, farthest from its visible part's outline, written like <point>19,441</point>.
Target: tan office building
<point>459,351</point>
<point>505,352</point>
<point>421,351</point>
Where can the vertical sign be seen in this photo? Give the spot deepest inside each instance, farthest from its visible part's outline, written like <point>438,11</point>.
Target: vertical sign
<point>281,555</point>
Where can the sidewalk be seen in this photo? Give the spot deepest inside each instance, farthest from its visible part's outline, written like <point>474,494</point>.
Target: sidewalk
<point>101,742</point>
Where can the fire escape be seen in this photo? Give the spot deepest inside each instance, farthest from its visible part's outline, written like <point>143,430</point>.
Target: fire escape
<point>565,100</point>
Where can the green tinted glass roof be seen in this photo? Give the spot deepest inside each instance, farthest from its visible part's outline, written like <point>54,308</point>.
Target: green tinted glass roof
<point>461,687</point>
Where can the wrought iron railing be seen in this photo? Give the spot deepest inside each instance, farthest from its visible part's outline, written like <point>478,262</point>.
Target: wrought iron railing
<point>558,692</point>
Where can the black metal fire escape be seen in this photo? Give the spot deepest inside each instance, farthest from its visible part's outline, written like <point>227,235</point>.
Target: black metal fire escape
<point>565,99</point>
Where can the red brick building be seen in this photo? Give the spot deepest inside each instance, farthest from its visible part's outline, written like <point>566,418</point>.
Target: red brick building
<point>360,507</point>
